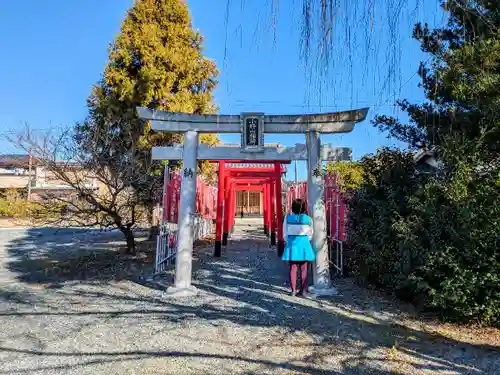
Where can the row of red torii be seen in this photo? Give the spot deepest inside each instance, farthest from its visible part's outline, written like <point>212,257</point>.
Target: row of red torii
<point>257,177</point>
<point>252,127</point>
<point>220,203</point>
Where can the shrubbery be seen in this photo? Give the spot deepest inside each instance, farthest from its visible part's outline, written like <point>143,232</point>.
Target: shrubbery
<point>433,238</point>
<point>429,239</point>
<point>18,208</point>
<point>14,205</point>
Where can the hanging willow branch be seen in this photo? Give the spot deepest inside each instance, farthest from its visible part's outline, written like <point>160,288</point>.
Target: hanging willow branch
<point>341,32</point>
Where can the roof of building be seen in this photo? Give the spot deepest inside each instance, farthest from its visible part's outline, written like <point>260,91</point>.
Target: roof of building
<point>421,154</point>
<point>23,161</point>
<point>14,160</point>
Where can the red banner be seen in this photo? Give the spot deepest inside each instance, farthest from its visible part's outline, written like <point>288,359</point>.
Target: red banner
<point>206,198</point>
<point>336,209</point>
<point>297,191</point>
<point>175,183</point>
<point>167,194</point>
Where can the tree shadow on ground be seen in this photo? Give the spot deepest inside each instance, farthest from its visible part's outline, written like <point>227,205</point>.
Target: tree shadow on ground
<point>53,256</point>
<point>248,289</point>
<point>15,294</point>
<point>139,355</point>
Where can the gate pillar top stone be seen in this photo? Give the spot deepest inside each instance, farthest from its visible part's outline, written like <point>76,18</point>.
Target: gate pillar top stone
<point>174,122</point>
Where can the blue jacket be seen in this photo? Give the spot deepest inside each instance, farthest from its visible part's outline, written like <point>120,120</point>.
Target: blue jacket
<point>297,232</point>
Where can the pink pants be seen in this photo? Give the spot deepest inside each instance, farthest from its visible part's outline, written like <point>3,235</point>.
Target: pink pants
<point>294,268</point>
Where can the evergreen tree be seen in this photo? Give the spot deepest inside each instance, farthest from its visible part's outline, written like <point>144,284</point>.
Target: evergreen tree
<point>156,61</point>
<point>461,115</point>
<point>434,238</point>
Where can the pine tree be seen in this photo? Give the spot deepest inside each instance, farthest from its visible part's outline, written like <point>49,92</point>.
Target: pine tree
<point>461,115</point>
<point>441,244</point>
<point>156,61</point>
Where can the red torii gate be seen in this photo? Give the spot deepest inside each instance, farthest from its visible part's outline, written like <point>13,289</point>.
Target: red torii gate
<point>270,198</point>
<point>234,184</point>
<point>231,183</point>
<point>248,187</point>
<point>269,194</point>
<point>239,186</point>
<point>265,187</point>
<point>270,177</point>
<point>258,171</point>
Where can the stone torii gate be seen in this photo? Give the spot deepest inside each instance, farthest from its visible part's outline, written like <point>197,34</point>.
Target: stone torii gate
<point>252,127</point>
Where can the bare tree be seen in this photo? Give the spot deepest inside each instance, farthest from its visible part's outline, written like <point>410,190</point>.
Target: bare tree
<point>99,190</point>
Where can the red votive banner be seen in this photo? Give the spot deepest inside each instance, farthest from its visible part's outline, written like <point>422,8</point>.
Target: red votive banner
<point>336,208</point>
<point>206,198</point>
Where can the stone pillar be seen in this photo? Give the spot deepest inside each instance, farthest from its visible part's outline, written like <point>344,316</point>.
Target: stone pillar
<point>279,209</point>
<point>185,238</point>
<point>227,207</point>
<point>315,199</point>
<point>272,213</point>
<point>220,210</point>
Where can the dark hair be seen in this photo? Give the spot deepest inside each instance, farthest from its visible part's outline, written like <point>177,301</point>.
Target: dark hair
<point>298,206</point>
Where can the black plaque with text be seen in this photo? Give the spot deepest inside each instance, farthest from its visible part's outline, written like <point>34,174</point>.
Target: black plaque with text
<point>252,132</point>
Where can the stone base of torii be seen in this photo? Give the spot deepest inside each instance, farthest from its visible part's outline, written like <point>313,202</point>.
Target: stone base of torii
<point>252,127</point>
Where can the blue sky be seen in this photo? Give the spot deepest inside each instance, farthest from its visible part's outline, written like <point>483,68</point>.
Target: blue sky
<point>54,51</point>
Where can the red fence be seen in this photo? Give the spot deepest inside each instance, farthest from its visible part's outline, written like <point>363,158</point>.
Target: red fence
<point>206,198</point>
<point>336,208</point>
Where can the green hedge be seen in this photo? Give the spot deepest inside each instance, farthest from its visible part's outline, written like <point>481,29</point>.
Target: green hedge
<point>18,208</point>
<point>431,240</point>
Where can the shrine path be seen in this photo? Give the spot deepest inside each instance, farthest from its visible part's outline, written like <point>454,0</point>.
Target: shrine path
<point>58,318</point>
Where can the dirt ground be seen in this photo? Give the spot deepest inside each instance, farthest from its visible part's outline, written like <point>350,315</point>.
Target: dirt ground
<point>14,223</point>
<point>73,302</point>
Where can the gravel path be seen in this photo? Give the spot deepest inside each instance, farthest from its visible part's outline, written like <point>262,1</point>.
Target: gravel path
<point>99,321</point>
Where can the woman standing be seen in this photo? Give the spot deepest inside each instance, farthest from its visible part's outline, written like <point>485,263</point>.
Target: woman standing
<point>297,232</point>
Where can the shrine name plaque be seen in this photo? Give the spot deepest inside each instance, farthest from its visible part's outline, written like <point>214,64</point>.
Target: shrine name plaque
<point>252,132</point>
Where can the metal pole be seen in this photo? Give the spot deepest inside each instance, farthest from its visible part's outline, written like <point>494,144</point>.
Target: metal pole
<point>30,166</point>
<point>166,198</point>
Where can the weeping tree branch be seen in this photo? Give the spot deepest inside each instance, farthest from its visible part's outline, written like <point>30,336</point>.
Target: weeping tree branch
<point>98,187</point>
<point>340,34</point>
